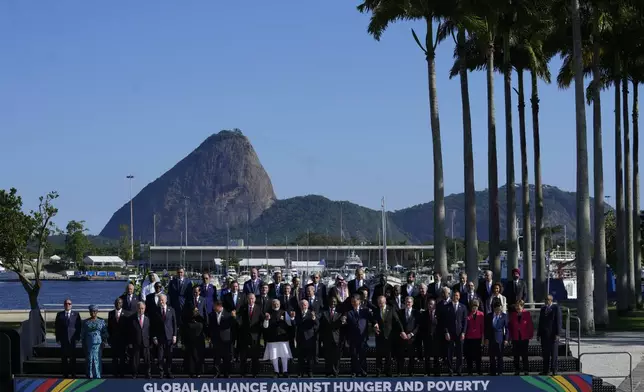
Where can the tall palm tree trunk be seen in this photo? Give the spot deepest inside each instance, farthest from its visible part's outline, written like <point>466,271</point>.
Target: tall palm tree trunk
<point>541,287</point>
<point>622,268</point>
<point>440,254</point>
<point>637,239</point>
<point>599,243</point>
<point>494,257</point>
<point>628,196</point>
<point>511,217</point>
<point>525,187</point>
<point>471,241</point>
<point>584,265</point>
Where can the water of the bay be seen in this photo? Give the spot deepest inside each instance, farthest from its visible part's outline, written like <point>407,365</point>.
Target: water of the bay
<point>14,296</point>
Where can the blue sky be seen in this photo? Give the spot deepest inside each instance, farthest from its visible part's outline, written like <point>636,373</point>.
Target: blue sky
<point>93,91</point>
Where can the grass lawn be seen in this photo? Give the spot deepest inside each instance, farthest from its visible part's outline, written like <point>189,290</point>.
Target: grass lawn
<point>632,321</point>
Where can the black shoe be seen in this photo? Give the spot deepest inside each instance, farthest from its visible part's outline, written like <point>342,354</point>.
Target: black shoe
<point>148,376</point>
<point>526,373</point>
<point>133,377</point>
<point>553,373</point>
<point>517,373</point>
<point>543,373</point>
<point>310,375</point>
<point>170,376</point>
<point>285,374</point>
<point>275,375</point>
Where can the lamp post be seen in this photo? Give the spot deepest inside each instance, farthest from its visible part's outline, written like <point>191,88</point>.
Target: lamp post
<point>131,177</point>
<point>185,216</point>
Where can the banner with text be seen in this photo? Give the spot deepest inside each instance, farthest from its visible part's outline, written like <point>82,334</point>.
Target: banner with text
<point>568,383</point>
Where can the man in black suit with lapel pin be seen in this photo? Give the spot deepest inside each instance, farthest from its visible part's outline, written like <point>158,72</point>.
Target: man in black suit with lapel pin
<point>496,336</point>
<point>254,284</point>
<point>435,289</point>
<point>197,302</point>
<point>386,326</point>
<point>548,334</point>
<point>314,302</point>
<point>357,322</point>
<point>455,326</point>
<point>485,289</point>
<point>139,341</point>
<point>179,292</point>
<point>398,299</point>
<point>307,323</point>
<point>263,300</point>
<point>250,320</point>
<point>410,325</point>
<point>461,286</point>
<point>331,337</point>
<point>118,329</point>
<point>152,300</point>
<point>288,302</point>
<point>68,330</point>
<point>515,290</point>
<point>319,289</point>
<point>234,299</point>
<point>276,289</point>
<point>130,300</point>
<point>164,336</point>
<point>380,289</point>
<point>409,289</point>
<point>356,284</point>
<point>221,327</point>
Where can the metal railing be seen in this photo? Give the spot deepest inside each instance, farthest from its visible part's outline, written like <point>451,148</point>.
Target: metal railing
<point>578,341</point>
<point>630,364</point>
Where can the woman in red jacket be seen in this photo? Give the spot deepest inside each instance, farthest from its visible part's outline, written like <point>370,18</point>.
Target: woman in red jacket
<point>521,331</point>
<point>474,337</point>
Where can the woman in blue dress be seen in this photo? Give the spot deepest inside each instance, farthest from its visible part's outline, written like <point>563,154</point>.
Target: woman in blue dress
<point>93,336</point>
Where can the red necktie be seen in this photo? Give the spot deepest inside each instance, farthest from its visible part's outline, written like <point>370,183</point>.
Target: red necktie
<point>163,314</point>
<point>141,321</point>
<point>251,312</point>
<point>332,313</point>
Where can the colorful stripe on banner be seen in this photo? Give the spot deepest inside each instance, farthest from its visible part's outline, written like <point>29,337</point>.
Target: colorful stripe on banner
<point>572,383</point>
<point>56,385</point>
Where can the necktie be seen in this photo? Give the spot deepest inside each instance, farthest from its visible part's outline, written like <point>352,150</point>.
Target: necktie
<point>235,299</point>
<point>251,312</point>
<point>408,314</point>
<point>118,316</point>
<point>196,300</point>
<point>218,318</point>
<point>141,321</point>
<point>332,313</point>
<point>163,314</point>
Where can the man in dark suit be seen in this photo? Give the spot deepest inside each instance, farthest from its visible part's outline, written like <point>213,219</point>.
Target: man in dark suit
<point>434,290</point>
<point>398,299</point>
<point>548,334</point>
<point>410,325</point>
<point>179,292</point>
<point>276,289</point>
<point>152,300</point>
<point>68,330</point>
<point>496,330</point>
<point>319,289</point>
<point>356,284</point>
<point>515,290</point>
<point>139,341</point>
<point>431,339</point>
<point>263,300</point>
<point>454,325</point>
<point>198,302</point>
<point>254,285</point>
<point>420,300</point>
<point>485,288</point>
<point>234,299</point>
<point>461,286</point>
<point>118,329</point>
<point>386,326</point>
<point>221,327</point>
<point>357,322</point>
<point>314,302</point>
<point>380,289</point>
<point>164,336</point>
<point>130,300</point>
<point>307,323</point>
<point>208,291</point>
<point>250,320</point>
<point>288,302</point>
<point>331,337</point>
<point>409,289</point>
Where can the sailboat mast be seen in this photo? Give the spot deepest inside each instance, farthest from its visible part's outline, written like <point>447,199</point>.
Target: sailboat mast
<point>384,235</point>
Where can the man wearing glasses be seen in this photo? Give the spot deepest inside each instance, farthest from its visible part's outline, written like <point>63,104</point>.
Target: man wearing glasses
<point>68,329</point>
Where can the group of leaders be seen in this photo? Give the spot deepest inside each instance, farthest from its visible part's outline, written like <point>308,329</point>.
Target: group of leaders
<point>285,320</point>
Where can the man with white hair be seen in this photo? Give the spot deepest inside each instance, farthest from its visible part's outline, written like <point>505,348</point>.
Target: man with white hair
<point>164,335</point>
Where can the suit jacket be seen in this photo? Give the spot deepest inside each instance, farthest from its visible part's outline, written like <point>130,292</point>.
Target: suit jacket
<point>430,322</point>
<point>264,304</point>
<point>454,320</point>
<point>132,306</point>
<point>484,291</point>
<point>461,288</point>
<point>315,305</point>
<point>164,330</point>
<point>179,293</point>
<point>276,290</point>
<point>67,329</point>
<point>342,300</point>
<point>354,285</point>
<point>549,322</point>
<point>410,325</point>
<point>475,326</point>
<point>277,329</point>
<point>496,332</point>
<point>222,331</point>
<point>388,324</point>
<point>117,330</point>
<point>321,293</point>
<point>298,292</point>
<point>139,336</point>
<point>289,304</point>
<point>420,301</point>
<point>209,294</point>
<point>151,305</point>
<point>193,332</point>
<point>331,327</point>
<point>434,290</point>
<point>250,327</point>
<point>201,304</point>
<point>251,286</point>
<point>469,297</point>
<point>307,329</point>
<point>357,325</point>
<point>521,330</point>
<point>378,291</point>
<point>514,294</point>
<point>230,305</point>
<point>395,301</point>
<point>405,292</point>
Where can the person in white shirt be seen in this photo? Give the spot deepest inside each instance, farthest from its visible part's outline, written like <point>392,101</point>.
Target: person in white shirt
<point>148,285</point>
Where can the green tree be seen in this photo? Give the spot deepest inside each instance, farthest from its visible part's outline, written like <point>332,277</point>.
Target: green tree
<point>20,230</point>
<point>76,242</point>
<point>125,247</point>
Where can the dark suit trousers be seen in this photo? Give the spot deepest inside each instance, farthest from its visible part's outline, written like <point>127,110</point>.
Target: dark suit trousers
<point>383,351</point>
<point>164,353</point>
<point>119,354</point>
<point>305,356</point>
<point>193,358</point>
<point>222,358</point>
<point>473,353</point>
<point>520,351</point>
<point>358,357</point>
<point>68,357</point>
<point>249,350</point>
<point>496,358</point>
<point>332,355</point>
<point>406,350</point>
<point>135,358</point>
<point>550,354</point>
<point>455,349</point>
<point>432,354</point>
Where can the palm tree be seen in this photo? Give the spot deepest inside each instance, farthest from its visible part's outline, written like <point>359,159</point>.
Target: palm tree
<point>383,13</point>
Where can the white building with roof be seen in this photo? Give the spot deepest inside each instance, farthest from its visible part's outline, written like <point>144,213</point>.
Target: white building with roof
<point>104,261</point>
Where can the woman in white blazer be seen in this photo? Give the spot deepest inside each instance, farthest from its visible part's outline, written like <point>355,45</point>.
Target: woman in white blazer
<point>496,293</point>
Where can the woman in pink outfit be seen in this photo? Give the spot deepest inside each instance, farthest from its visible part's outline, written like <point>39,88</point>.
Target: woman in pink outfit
<point>521,331</point>
<point>474,337</point>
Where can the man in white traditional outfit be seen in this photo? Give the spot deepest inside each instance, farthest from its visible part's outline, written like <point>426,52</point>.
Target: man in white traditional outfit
<point>277,324</point>
<point>148,285</point>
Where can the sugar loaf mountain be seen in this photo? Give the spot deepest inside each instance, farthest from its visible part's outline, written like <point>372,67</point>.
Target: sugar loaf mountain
<point>229,191</point>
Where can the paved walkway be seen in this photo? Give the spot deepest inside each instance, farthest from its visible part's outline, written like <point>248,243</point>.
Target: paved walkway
<point>613,365</point>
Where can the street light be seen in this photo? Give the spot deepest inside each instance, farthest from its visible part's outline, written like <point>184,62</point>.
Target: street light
<point>131,177</point>
<point>185,216</point>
